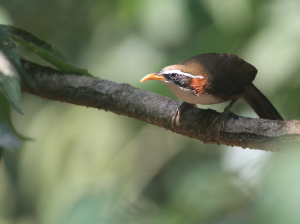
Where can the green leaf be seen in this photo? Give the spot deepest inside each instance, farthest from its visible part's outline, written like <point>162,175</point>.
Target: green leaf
<point>9,84</point>
<point>5,109</point>
<point>5,116</point>
<point>10,87</point>
<point>8,46</point>
<point>44,50</point>
<point>8,139</point>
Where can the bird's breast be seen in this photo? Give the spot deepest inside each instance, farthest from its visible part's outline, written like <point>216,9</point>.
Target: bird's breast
<point>189,96</point>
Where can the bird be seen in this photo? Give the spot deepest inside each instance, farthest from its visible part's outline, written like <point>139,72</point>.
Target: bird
<point>213,78</point>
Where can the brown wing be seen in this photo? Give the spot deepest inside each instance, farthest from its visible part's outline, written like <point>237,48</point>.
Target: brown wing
<point>227,74</point>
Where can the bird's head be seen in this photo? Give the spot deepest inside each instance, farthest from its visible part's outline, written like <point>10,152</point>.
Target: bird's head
<point>180,77</point>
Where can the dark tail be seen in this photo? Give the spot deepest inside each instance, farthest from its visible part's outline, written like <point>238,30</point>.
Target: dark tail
<point>260,104</point>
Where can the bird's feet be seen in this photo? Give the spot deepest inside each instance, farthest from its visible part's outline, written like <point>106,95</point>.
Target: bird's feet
<point>223,116</point>
<point>176,113</point>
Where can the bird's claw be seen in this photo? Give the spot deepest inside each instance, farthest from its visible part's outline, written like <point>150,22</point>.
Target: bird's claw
<point>175,118</point>
<point>222,122</point>
<point>176,113</point>
<point>224,116</point>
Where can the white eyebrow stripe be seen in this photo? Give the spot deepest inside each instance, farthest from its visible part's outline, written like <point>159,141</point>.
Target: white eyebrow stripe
<point>182,73</point>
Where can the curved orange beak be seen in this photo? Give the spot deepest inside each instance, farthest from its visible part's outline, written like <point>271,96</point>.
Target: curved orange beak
<point>153,76</point>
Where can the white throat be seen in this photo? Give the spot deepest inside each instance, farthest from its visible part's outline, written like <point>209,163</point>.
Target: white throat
<point>189,96</point>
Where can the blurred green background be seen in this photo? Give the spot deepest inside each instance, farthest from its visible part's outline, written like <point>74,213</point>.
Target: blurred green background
<point>91,166</point>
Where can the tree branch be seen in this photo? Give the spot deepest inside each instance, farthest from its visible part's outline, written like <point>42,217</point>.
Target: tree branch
<point>126,100</point>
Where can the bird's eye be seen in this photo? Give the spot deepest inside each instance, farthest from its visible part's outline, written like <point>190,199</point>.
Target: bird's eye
<point>174,75</point>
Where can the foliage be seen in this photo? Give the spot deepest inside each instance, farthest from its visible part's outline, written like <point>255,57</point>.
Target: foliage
<point>44,50</point>
<point>9,85</point>
<point>11,72</point>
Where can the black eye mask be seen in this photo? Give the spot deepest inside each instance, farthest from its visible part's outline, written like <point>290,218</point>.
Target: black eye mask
<point>180,80</point>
